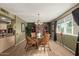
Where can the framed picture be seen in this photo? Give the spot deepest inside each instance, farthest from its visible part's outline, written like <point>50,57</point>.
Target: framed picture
<point>22,27</point>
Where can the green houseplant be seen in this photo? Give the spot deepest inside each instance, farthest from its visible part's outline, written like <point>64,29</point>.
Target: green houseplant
<point>28,29</point>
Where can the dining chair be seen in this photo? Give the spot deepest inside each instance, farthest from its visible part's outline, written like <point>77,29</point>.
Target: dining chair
<point>45,41</point>
<point>30,42</point>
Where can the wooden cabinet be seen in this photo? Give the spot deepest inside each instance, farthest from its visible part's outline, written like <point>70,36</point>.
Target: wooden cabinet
<point>6,43</point>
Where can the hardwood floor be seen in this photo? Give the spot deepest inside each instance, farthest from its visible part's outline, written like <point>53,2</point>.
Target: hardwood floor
<point>56,50</point>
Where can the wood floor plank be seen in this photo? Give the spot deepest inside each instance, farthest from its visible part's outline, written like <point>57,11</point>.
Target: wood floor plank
<point>56,50</point>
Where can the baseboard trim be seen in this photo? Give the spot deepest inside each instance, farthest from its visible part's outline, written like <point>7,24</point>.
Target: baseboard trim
<point>19,43</point>
<point>69,49</point>
<point>66,47</point>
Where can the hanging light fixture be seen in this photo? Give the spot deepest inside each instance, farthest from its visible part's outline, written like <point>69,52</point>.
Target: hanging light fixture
<point>38,22</point>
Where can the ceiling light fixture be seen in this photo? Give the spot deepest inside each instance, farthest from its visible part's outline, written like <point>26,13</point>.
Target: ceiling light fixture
<point>38,22</point>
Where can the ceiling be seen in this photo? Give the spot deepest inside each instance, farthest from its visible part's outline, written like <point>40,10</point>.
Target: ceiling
<point>29,11</point>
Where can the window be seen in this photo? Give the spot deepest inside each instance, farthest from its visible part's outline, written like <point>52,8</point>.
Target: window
<point>69,27</point>
<point>65,25</point>
<point>22,27</point>
<point>60,26</point>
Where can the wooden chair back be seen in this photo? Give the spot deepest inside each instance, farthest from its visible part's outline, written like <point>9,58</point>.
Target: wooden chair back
<point>45,40</point>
